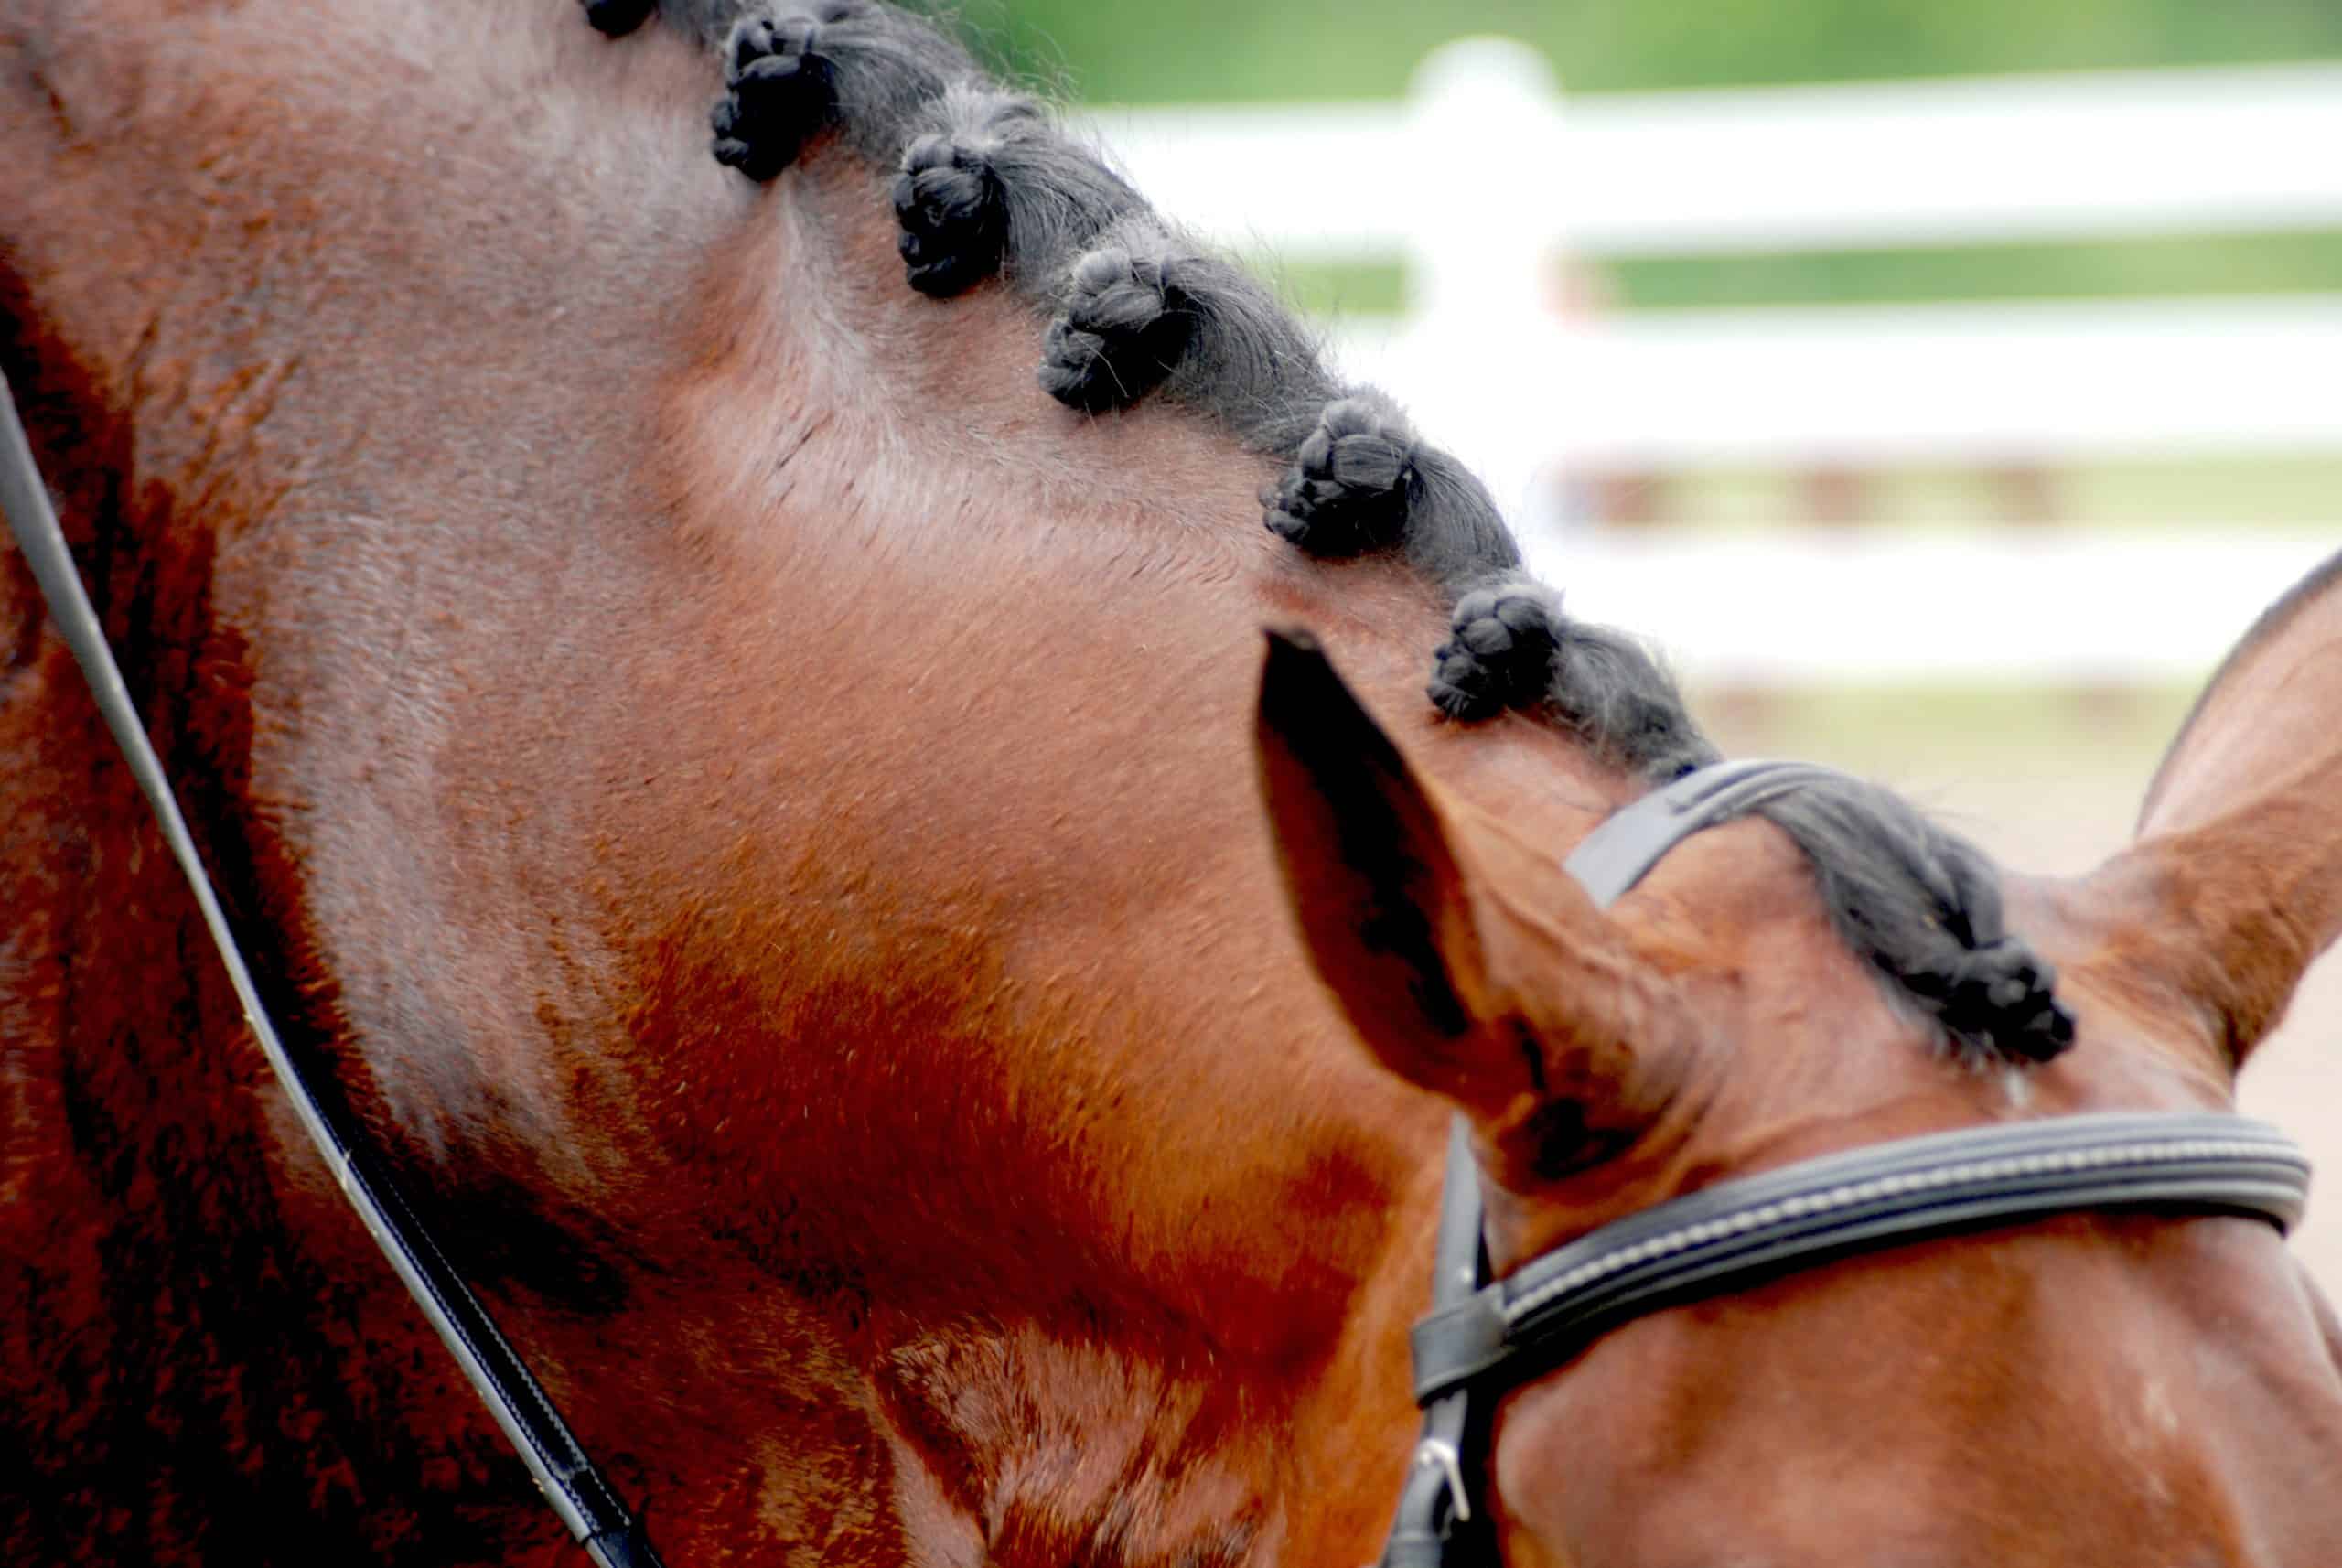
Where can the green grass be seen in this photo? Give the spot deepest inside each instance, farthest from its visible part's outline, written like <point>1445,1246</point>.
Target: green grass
<point>2249,264</point>
<point>1265,50</point>
<point>2298,262</point>
<point>1338,288</point>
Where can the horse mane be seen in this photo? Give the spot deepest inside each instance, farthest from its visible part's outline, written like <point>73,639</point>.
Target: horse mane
<point>988,184</point>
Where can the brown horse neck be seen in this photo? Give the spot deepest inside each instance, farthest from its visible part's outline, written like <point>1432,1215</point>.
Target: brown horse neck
<point>625,683</point>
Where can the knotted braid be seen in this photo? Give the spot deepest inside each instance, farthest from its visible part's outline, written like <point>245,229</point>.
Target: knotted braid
<point>1123,327</point>
<point>1924,905</point>
<point>1500,650</point>
<point>1361,481</point>
<point>1347,489</point>
<point>954,215</point>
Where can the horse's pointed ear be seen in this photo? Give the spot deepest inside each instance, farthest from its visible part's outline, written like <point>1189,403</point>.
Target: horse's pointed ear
<point>1448,985</point>
<point>2234,884</point>
<point>1369,869</point>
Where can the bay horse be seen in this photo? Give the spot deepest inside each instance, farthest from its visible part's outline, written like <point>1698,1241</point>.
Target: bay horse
<point>780,830</point>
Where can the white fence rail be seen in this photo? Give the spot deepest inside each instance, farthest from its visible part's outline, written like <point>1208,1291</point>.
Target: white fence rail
<point>1827,606</point>
<point>1828,168</point>
<point>1486,178</point>
<point>1996,382</point>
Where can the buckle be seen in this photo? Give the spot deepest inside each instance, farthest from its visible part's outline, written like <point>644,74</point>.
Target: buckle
<point>1441,1455</point>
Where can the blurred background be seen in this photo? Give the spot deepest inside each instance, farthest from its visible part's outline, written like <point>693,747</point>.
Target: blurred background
<point>1942,385</point>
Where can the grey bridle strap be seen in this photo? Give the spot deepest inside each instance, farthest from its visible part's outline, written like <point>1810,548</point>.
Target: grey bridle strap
<point>1612,858</point>
<point>1484,1339</point>
<point>587,1504</point>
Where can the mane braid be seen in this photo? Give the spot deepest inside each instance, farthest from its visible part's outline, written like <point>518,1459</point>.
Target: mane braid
<point>987,185</point>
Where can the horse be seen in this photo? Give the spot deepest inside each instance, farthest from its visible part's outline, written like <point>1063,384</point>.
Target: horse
<point>726,699</point>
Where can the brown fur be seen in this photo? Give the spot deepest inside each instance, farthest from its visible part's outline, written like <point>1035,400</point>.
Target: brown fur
<point>752,802</point>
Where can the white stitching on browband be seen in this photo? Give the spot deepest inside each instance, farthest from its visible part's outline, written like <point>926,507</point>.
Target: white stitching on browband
<point>1852,1195</point>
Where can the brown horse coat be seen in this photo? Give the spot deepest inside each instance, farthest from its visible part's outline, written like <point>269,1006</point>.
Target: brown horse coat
<point>755,805</point>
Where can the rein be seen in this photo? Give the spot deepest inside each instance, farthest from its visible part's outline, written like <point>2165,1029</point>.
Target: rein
<point>1486,1338</point>
<point>588,1505</point>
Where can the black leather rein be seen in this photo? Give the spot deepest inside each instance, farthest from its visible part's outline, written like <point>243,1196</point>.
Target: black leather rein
<point>1483,1338</point>
<point>588,1505</point>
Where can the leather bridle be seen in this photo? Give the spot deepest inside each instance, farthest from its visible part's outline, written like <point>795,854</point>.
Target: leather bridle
<point>1484,1338</point>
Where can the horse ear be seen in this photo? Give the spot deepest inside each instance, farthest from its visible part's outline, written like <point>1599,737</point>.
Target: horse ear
<point>2235,881</point>
<point>1450,986</point>
<point>1370,873</point>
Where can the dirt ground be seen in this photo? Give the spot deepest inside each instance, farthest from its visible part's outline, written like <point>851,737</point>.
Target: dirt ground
<point>2050,782</point>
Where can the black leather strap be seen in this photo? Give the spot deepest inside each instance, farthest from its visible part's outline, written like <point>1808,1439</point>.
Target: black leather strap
<point>1760,1227</point>
<point>587,1504</point>
<point>1436,1500</point>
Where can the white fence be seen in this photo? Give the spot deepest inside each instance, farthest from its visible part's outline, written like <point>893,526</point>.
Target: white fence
<point>1828,168</point>
<point>1485,176</point>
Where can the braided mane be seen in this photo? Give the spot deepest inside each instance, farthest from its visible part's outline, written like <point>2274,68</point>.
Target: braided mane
<point>987,185</point>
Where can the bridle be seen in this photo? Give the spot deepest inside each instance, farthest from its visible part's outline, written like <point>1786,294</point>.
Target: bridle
<point>1484,1339</point>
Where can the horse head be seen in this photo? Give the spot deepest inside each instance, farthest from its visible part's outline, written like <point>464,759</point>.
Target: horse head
<point>2086,1388</point>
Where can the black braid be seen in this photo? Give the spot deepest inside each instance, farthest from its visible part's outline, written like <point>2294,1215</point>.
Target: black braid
<point>1510,646</point>
<point>794,69</point>
<point>1362,481</point>
<point>954,215</point>
<point>1501,652</point>
<point>1349,487</point>
<point>1125,323</point>
<point>1924,905</point>
<point>996,187</point>
<point>780,88</point>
